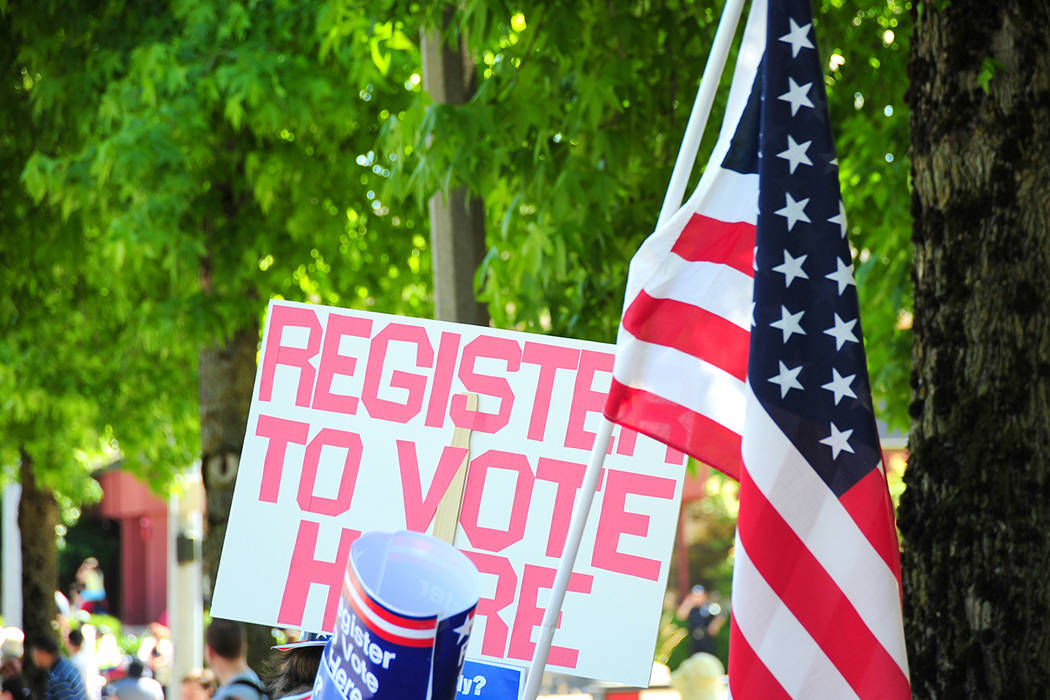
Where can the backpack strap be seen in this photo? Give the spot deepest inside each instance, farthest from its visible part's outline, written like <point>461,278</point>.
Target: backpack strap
<point>251,684</point>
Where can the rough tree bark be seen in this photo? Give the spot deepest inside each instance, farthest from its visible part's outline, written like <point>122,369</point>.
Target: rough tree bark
<point>976,512</point>
<point>37,518</point>
<point>226,376</point>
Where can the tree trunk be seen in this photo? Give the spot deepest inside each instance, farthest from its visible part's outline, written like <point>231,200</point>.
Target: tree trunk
<point>37,518</point>
<point>976,512</point>
<point>457,218</point>
<point>226,376</point>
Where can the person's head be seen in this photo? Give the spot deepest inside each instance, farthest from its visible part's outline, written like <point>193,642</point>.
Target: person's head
<point>226,639</point>
<point>294,665</point>
<point>76,639</point>
<point>158,631</point>
<point>44,650</point>
<point>199,684</point>
<point>11,651</point>
<point>135,668</point>
<point>12,688</point>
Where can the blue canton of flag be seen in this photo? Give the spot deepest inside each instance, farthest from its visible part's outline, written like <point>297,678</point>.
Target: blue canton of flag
<point>807,364</point>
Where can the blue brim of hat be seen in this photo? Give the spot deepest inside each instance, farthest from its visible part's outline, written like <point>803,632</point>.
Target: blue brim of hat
<point>312,641</point>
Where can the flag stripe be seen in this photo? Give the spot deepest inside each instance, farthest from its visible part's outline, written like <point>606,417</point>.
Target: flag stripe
<point>714,287</point>
<point>705,239</point>
<point>800,581</point>
<point>825,527</point>
<point>786,649</point>
<point>686,430</point>
<point>692,330</point>
<point>752,678</point>
<point>660,370</point>
<point>869,505</point>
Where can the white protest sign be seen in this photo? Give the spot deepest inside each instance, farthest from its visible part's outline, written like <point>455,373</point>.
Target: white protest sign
<point>349,431</point>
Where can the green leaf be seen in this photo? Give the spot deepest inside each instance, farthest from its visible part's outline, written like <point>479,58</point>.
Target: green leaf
<point>989,68</point>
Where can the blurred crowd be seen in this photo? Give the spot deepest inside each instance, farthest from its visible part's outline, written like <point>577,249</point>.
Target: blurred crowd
<point>87,663</point>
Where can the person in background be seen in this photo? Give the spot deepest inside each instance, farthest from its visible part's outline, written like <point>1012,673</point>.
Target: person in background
<point>13,688</point>
<point>135,686</point>
<point>226,649</point>
<point>82,656</point>
<point>295,667</point>
<point>157,652</point>
<point>108,654</point>
<point>63,681</point>
<point>11,650</point>
<point>90,576</point>
<point>76,598</point>
<point>704,619</point>
<point>198,684</point>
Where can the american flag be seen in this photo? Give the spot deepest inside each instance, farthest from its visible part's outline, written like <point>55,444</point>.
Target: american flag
<point>741,345</point>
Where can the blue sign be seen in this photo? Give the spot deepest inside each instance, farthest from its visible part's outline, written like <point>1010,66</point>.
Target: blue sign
<point>490,681</point>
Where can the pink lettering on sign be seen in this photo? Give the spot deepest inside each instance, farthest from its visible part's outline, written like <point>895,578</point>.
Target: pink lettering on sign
<point>569,477</point>
<point>530,615</point>
<point>673,456</point>
<point>550,358</point>
<point>305,571</point>
<point>321,505</point>
<point>486,346</point>
<point>586,400</point>
<point>615,520</point>
<point>627,441</point>
<point>494,643</point>
<point>487,538</point>
<point>281,318</point>
<point>414,384</point>
<point>280,432</point>
<point>419,512</point>
<point>444,368</point>
<point>332,363</point>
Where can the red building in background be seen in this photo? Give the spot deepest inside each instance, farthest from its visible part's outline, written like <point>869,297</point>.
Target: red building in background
<point>143,559</point>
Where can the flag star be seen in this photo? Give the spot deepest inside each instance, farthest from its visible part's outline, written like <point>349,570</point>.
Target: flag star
<point>798,37</point>
<point>792,268</point>
<point>843,275</point>
<point>789,323</point>
<point>797,95</point>
<point>795,154</point>
<point>787,379</point>
<point>838,441</point>
<point>842,332</point>
<point>840,386</point>
<point>840,219</point>
<point>464,630</point>
<point>793,211</point>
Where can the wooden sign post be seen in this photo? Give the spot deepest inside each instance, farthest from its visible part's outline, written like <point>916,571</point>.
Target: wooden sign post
<point>446,518</point>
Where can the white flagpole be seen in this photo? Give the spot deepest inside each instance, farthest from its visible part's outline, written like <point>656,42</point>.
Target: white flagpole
<point>568,557</point>
<point>705,97</point>
<point>683,166</point>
